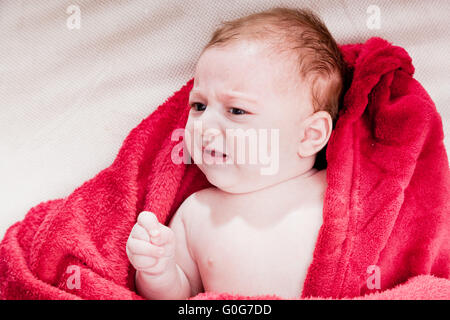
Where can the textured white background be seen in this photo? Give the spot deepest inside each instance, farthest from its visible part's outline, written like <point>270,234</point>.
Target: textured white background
<point>68,98</point>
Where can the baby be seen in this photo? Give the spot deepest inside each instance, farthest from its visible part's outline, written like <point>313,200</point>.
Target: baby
<point>252,234</point>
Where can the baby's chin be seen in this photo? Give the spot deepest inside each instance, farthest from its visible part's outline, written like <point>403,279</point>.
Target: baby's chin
<point>219,176</point>
<point>230,179</point>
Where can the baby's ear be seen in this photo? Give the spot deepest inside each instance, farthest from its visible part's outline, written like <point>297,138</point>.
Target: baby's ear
<point>314,133</point>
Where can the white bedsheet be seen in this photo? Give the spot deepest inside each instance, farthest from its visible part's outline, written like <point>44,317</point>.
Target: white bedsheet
<point>68,97</point>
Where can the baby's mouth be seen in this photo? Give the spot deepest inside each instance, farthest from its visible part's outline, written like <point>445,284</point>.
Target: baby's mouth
<point>214,153</point>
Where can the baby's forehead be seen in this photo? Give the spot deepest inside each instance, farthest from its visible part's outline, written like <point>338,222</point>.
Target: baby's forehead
<point>266,72</point>
<point>251,53</point>
<point>261,47</point>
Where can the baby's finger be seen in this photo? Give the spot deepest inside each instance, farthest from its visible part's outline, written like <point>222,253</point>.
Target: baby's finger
<point>142,262</point>
<point>140,247</point>
<point>138,232</point>
<point>165,236</point>
<point>149,222</point>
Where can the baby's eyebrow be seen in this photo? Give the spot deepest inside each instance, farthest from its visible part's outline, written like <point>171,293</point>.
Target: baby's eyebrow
<point>240,95</point>
<point>195,92</point>
<point>228,95</point>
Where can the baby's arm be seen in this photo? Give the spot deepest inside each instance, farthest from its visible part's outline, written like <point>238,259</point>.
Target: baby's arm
<point>171,276</point>
<point>183,257</point>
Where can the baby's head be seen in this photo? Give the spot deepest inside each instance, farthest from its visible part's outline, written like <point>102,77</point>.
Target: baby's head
<point>273,78</point>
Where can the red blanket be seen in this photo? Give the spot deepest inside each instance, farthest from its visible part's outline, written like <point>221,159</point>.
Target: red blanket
<point>386,226</point>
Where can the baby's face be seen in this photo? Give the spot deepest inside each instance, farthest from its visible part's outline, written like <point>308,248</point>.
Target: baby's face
<point>242,87</point>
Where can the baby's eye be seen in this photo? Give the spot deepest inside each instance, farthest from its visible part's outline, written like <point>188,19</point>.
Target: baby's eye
<point>197,105</point>
<point>237,111</point>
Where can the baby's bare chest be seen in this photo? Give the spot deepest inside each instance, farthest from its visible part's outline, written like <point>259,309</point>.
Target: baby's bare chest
<point>237,255</point>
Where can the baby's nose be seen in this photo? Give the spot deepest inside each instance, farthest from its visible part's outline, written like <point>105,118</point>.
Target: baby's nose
<point>209,135</point>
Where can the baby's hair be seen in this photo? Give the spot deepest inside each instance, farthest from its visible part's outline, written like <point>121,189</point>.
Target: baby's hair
<point>297,31</point>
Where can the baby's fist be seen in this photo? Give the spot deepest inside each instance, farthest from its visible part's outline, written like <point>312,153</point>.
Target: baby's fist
<point>151,245</point>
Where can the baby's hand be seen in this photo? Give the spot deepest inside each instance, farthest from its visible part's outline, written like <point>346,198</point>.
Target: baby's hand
<point>151,245</point>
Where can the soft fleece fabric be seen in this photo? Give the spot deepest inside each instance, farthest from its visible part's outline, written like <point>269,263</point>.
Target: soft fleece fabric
<point>386,204</point>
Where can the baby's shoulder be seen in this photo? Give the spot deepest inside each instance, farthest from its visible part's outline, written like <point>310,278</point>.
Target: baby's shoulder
<point>202,197</point>
<point>198,203</point>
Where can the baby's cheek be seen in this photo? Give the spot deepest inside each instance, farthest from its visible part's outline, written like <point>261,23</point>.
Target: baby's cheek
<point>286,141</point>
<point>189,138</point>
<point>275,135</point>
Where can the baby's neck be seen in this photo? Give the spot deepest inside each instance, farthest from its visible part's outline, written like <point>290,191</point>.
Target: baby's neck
<point>268,205</point>
<point>283,188</point>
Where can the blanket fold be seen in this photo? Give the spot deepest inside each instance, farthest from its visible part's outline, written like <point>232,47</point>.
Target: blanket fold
<point>386,226</point>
